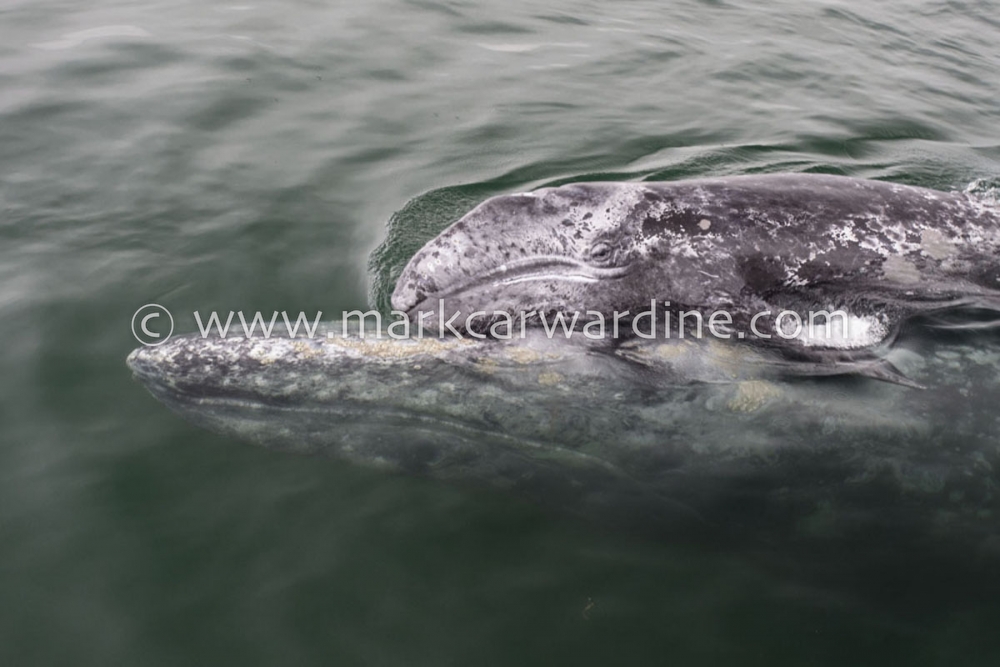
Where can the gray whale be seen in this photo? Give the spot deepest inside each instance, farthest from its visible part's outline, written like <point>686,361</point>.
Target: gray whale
<point>880,252</point>
<point>680,437</point>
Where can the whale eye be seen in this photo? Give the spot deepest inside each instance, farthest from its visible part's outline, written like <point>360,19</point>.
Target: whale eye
<point>601,252</point>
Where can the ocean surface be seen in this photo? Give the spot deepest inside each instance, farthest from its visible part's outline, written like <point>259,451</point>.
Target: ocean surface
<point>291,156</point>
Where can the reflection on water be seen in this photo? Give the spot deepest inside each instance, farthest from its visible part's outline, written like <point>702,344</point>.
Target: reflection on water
<point>108,32</point>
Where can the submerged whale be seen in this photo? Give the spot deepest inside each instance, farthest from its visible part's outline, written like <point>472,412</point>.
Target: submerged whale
<point>683,437</point>
<point>877,253</point>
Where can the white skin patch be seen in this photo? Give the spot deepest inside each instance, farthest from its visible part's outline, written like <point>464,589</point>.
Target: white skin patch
<point>900,270</point>
<point>935,244</point>
<point>618,206</point>
<point>845,234</point>
<point>841,331</point>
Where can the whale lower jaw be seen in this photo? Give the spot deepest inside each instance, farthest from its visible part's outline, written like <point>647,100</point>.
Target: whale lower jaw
<point>368,435</point>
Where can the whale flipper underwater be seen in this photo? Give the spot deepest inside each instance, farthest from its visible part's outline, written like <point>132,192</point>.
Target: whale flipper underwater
<point>880,253</point>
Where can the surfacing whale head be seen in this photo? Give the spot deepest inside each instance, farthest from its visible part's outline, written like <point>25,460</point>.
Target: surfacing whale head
<point>566,249</point>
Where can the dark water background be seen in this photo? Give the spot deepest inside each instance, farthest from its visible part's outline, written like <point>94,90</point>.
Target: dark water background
<point>215,156</point>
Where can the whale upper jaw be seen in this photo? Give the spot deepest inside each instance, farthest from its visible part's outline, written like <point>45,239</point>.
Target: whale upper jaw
<point>408,296</point>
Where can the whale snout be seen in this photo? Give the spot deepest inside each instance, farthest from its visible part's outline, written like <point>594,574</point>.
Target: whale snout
<point>145,362</point>
<point>404,300</point>
<point>412,290</point>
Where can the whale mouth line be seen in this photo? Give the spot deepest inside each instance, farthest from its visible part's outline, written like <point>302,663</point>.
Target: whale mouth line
<point>548,267</point>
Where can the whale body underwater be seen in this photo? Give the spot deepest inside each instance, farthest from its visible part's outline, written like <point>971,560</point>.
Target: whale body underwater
<point>877,252</point>
<point>686,441</point>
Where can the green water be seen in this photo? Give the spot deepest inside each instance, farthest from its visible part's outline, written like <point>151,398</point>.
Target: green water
<point>253,157</point>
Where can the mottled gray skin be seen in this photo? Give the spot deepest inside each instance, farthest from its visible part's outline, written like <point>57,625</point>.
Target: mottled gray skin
<point>680,435</point>
<point>745,244</point>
